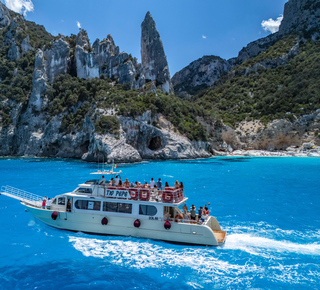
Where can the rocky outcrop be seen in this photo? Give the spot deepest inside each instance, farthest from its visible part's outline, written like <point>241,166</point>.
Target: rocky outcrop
<point>105,58</point>
<point>5,18</point>
<point>56,59</point>
<point>153,59</point>
<point>199,74</point>
<point>301,16</point>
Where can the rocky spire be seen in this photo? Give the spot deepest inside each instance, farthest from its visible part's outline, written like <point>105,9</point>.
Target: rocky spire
<point>153,59</point>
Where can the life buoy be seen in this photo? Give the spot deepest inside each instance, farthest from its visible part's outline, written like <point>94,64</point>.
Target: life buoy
<point>178,217</point>
<point>137,223</point>
<point>144,195</point>
<point>167,225</point>
<point>133,194</point>
<point>167,196</point>
<point>104,221</point>
<point>54,215</point>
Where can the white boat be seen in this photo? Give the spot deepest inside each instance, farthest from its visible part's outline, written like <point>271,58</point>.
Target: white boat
<point>97,208</point>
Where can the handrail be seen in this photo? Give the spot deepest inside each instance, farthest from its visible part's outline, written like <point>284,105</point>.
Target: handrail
<point>20,194</point>
<point>168,195</point>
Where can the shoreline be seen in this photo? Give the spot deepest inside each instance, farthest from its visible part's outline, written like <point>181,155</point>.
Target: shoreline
<point>266,153</point>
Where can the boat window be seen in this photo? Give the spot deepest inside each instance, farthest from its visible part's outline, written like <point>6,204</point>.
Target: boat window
<point>84,190</point>
<point>92,181</point>
<point>87,204</point>
<point>61,201</point>
<point>147,209</point>
<point>117,207</point>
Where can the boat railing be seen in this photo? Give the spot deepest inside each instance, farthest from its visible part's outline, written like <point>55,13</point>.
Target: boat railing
<point>168,195</point>
<point>21,195</point>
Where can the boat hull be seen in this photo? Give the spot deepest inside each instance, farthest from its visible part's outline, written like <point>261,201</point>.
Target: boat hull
<point>179,232</point>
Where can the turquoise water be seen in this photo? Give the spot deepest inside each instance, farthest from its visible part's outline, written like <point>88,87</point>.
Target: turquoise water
<point>270,208</point>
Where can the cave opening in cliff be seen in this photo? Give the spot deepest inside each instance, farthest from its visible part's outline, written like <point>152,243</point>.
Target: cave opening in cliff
<point>155,143</point>
<point>84,147</point>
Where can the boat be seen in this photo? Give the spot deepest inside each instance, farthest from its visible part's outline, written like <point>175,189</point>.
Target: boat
<point>96,207</point>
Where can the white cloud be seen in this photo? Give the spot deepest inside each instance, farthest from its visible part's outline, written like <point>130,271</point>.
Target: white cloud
<point>20,6</point>
<point>272,25</point>
<point>204,37</point>
<point>78,24</point>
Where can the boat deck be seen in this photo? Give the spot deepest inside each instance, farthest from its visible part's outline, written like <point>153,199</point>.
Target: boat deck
<point>220,236</point>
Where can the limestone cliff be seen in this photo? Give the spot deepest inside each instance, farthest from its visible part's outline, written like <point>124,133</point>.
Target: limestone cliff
<point>153,59</point>
<point>199,74</point>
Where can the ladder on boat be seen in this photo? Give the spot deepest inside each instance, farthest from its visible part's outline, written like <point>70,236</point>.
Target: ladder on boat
<point>24,196</point>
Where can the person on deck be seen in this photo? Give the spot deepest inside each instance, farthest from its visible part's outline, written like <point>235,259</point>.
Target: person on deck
<point>44,203</point>
<point>48,203</point>
<point>159,184</point>
<point>112,182</point>
<point>199,213</point>
<point>166,185</point>
<point>126,183</point>
<point>193,212</point>
<point>185,208</point>
<point>181,185</point>
<point>117,179</point>
<point>152,183</point>
<point>176,184</point>
<point>103,181</point>
<point>120,183</point>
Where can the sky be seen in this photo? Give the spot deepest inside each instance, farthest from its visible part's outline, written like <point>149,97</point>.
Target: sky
<point>189,29</point>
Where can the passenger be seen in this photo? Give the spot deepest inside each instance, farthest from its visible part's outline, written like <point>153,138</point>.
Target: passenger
<point>199,213</point>
<point>69,205</point>
<point>152,183</point>
<point>126,183</point>
<point>181,185</point>
<point>120,183</point>
<point>111,182</point>
<point>44,203</point>
<point>132,184</point>
<point>176,184</point>
<point>166,185</point>
<point>193,212</point>
<point>207,211</point>
<point>48,203</point>
<point>159,184</point>
<point>146,185</point>
<point>103,181</point>
<point>204,214</point>
<point>117,179</point>
<point>139,185</point>
<point>186,216</point>
<point>185,208</point>
<point>136,184</point>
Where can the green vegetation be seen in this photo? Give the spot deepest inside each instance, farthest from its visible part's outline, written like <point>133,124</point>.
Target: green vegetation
<point>277,50</point>
<point>269,93</point>
<point>73,95</point>
<point>107,124</point>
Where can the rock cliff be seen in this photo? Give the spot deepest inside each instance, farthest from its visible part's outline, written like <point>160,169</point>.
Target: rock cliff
<point>153,59</point>
<point>301,17</point>
<point>199,74</point>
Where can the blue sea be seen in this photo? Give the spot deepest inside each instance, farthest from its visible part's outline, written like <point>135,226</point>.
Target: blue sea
<point>270,208</point>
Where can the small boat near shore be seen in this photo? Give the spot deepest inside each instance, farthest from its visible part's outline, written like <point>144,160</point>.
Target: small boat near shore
<point>96,207</point>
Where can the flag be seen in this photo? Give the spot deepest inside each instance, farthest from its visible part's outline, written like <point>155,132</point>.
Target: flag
<point>115,166</point>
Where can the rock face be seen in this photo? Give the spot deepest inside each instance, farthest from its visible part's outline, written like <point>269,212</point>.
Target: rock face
<point>5,18</point>
<point>105,58</point>
<point>153,59</point>
<point>301,16</point>
<point>199,74</point>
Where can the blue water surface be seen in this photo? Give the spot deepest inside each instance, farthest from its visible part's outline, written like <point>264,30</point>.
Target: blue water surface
<point>270,208</point>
